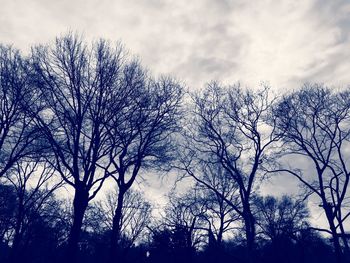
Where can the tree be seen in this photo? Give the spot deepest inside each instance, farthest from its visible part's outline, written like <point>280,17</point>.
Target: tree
<point>280,218</point>
<point>44,233</point>
<point>184,215</point>
<point>181,231</point>
<point>199,219</point>
<point>218,213</point>
<point>34,184</point>
<point>142,136</point>
<point>135,218</point>
<point>80,89</point>
<point>31,221</point>
<point>315,124</point>
<point>161,247</point>
<point>230,127</point>
<point>17,130</point>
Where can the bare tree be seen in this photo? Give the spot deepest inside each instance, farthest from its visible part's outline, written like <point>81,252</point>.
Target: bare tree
<point>230,127</point>
<point>283,228</point>
<point>34,185</point>
<point>219,215</point>
<point>203,213</point>
<point>81,90</point>
<point>17,130</point>
<point>136,215</point>
<point>184,218</point>
<point>142,136</point>
<point>316,124</point>
<point>281,217</point>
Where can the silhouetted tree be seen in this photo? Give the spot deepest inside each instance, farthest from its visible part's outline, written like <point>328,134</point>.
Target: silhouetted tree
<point>221,219</point>
<point>218,213</point>
<point>45,233</point>
<point>32,223</point>
<point>281,217</point>
<point>34,184</point>
<point>182,229</point>
<point>81,90</point>
<point>17,130</point>
<point>136,215</point>
<point>231,127</point>
<point>142,136</point>
<point>315,122</point>
<point>185,215</point>
<point>198,219</point>
<point>161,247</point>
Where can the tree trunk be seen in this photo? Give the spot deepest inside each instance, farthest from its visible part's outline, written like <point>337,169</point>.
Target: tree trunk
<point>249,223</point>
<point>80,203</point>
<point>15,256</point>
<point>335,236</point>
<point>336,243</point>
<point>345,239</point>
<point>115,255</point>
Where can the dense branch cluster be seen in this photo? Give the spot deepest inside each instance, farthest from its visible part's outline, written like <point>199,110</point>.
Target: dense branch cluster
<point>81,124</point>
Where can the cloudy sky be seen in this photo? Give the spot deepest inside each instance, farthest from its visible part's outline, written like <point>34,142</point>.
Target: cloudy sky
<point>284,43</point>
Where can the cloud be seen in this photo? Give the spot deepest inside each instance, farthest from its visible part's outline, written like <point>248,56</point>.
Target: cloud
<point>283,42</point>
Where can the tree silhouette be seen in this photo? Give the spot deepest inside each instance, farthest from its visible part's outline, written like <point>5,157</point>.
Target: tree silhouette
<point>17,129</point>
<point>315,124</point>
<point>80,90</point>
<point>136,215</point>
<point>142,136</point>
<point>231,127</point>
<point>34,185</point>
<point>281,217</point>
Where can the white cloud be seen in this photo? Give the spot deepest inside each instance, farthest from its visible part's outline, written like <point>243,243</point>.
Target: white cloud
<point>283,42</point>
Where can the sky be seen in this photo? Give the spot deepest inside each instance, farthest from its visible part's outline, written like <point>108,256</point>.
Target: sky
<point>284,43</point>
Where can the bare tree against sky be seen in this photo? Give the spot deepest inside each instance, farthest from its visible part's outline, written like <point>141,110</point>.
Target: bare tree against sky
<point>80,91</point>
<point>136,215</point>
<point>17,132</point>
<point>142,135</point>
<point>230,126</point>
<point>316,122</point>
<point>34,185</point>
<point>184,218</point>
<point>215,217</point>
<point>280,218</point>
<point>221,218</point>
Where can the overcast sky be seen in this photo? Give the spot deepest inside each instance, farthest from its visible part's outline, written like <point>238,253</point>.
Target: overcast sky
<point>283,42</point>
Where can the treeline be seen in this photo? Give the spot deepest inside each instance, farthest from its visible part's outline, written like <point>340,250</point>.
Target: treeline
<point>80,123</point>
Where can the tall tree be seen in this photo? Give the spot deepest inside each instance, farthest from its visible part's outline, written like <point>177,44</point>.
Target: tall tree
<point>81,89</point>
<point>142,136</point>
<point>230,127</point>
<point>17,130</point>
<point>316,126</point>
